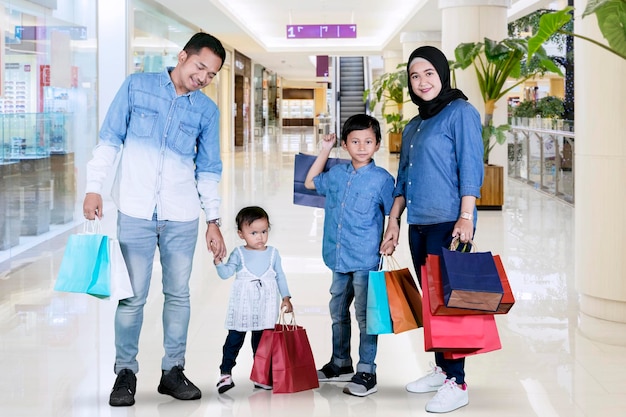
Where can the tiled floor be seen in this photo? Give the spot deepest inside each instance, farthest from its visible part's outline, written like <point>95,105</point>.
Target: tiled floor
<point>56,349</point>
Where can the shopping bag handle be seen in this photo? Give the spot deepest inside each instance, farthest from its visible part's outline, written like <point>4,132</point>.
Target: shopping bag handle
<point>391,262</point>
<point>291,325</point>
<point>91,227</point>
<point>456,242</point>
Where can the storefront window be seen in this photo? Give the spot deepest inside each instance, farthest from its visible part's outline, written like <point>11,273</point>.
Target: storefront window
<point>48,122</point>
<point>158,37</point>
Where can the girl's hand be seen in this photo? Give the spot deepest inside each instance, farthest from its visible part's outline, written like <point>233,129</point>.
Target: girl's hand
<point>286,305</point>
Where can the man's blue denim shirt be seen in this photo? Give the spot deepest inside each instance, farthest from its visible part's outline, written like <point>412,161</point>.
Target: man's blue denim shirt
<point>441,161</point>
<point>357,202</point>
<point>171,159</point>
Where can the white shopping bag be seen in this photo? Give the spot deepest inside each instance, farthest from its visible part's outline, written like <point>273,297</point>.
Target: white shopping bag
<point>120,280</point>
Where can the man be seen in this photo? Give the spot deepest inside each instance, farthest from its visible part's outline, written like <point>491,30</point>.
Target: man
<point>169,168</point>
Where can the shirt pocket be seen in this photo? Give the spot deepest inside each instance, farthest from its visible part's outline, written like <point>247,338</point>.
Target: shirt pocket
<point>142,122</point>
<point>185,141</point>
<point>363,203</point>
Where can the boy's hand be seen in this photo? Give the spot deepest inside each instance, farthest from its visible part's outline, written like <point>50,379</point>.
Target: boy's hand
<point>329,141</point>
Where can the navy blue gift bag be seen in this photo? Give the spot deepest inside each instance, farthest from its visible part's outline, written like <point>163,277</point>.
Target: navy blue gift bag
<point>301,195</point>
<point>470,280</point>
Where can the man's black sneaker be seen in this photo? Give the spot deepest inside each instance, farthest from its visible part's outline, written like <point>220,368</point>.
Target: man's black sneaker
<point>123,392</point>
<point>362,384</point>
<point>333,373</point>
<point>176,384</point>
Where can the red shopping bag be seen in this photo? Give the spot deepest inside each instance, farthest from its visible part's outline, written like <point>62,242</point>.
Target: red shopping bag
<point>450,333</point>
<point>437,304</point>
<point>293,366</point>
<point>405,301</point>
<point>262,365</point>
<point>491,340</point>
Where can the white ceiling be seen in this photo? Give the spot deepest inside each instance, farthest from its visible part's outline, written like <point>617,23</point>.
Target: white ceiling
<point>257,28</point>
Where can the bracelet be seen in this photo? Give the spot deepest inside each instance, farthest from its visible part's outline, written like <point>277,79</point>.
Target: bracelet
<point>465,215</point>
<point>399,219</point>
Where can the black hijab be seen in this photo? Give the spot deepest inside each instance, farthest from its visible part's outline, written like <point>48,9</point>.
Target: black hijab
<point>428,109</point>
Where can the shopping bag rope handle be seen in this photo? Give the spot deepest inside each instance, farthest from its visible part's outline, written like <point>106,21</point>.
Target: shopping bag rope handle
<point>92,226</point>
<point>391,262</point>
<point>456,242</point>
<point>291,325</point>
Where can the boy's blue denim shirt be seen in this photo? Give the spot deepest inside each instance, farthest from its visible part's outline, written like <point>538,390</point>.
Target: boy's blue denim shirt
<point>357,202</point>
<point>441,160</point>
<point>171,159</point>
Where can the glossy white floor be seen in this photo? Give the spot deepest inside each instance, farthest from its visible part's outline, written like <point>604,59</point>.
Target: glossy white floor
<point>56,349</point>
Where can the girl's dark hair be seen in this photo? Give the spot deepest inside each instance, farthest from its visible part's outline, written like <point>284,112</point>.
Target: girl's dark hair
<point>249,214</point>
<point>204,40</point>
<point>360,122</point>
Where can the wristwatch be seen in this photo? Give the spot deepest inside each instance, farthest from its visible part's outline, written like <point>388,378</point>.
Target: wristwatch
<point>217,222</point>
<point>465,215</point>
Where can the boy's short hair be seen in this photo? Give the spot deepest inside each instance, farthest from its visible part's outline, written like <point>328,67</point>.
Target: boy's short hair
<point>360,122</point>
<point>247,215</point>
<point>203,40</point>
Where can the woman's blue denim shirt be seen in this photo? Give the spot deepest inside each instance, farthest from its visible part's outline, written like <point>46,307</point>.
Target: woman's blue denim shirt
<point>441,160</point>
<point>171,159</point>
<point>357,202</point>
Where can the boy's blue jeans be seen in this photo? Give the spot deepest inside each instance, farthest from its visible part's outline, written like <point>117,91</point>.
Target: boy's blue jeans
<point>139,239</point>
<point>345,288</point>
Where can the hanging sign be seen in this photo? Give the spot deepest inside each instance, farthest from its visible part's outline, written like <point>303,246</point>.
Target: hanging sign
<point>321,31</point>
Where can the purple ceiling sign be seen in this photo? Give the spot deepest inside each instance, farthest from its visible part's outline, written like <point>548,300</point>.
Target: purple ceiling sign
<point>321,31</point>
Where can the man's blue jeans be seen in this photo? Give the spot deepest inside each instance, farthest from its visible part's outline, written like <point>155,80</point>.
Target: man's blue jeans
<point>345,288</point>
<point>139,239</point>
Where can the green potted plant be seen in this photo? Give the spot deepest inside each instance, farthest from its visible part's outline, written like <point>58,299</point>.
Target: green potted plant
<point>611,15</point>
<point>495,63</point>
<point>388,90</point>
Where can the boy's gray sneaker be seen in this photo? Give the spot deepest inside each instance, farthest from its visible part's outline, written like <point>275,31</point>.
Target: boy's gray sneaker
<point>333,373</point>
<point>361,385</point>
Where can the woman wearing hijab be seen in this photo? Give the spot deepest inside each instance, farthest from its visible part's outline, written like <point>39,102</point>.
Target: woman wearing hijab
<point>439,178</point>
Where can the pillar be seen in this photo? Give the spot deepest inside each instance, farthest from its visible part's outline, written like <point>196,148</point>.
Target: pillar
<point>472,21</point>
<point>600,158</point>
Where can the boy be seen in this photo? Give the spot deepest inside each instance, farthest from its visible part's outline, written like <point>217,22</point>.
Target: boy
<point>358,196</point>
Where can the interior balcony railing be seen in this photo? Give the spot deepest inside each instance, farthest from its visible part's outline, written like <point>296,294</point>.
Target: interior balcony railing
<point>541,154</point>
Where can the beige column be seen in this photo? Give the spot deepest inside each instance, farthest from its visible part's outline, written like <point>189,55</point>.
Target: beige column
<point>472,21</point>
<point>600,158</point>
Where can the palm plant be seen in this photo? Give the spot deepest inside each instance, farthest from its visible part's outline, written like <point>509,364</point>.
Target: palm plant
<point>388,89</point>
<point>495,63</point>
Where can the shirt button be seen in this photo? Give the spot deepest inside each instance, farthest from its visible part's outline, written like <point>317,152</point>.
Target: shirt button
<point>409,201</point>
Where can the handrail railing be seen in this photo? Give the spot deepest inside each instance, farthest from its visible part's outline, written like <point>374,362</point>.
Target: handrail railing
<point>543,158</point>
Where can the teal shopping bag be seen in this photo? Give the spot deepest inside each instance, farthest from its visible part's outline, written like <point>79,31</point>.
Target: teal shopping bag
<point>378,316</point>
<point>85,267</point>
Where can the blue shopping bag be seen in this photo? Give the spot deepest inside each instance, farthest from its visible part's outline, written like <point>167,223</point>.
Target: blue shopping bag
<point>470,280</point>
<point>302,196</point>
<point>85,267</point>
<point>378,315</point>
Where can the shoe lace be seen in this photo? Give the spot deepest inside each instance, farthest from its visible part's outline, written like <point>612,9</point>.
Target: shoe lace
<point>448,388</point>
<point>124,381</point>
<point>434,369</point>
<point>363,377</point>
<point>178,376</point>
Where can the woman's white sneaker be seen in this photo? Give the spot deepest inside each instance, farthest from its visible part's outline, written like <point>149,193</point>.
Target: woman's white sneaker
<point>428,383</point>
<point>448,398</point>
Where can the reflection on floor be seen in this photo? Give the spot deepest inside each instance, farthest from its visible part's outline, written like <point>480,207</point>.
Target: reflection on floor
<point>56,349</point>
